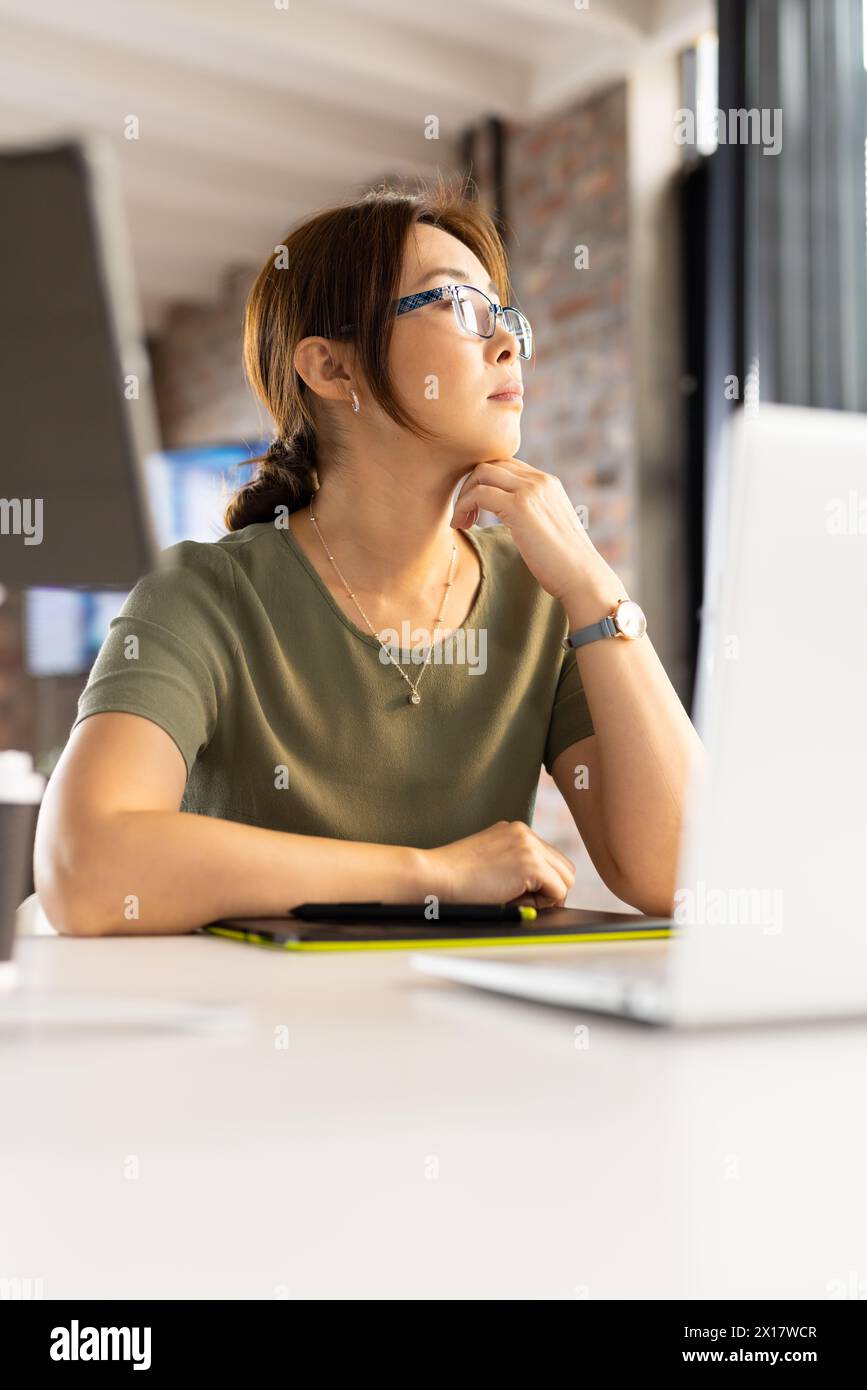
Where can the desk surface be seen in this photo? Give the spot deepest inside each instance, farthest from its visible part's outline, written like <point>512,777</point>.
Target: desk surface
<point>417,1139</point>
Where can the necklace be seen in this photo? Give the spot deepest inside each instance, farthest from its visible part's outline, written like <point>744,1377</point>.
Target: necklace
<point>414,698</point>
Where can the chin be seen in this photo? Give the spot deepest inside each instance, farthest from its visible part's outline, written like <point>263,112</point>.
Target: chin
<point>505,446</point>
<point>498,444</point>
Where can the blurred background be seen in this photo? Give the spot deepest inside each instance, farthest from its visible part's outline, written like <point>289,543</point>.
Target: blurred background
<point>672,268</point>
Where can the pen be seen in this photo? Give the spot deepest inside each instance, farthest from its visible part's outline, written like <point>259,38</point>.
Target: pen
<point>412,912</point>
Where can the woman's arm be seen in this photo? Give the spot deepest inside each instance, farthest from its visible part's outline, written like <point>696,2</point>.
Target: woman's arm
<point>115,856</point>
<point>639,760</point>
<point>648,852</point>
<point>643,755</point>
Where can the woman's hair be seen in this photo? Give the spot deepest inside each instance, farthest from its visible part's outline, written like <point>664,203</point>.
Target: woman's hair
<point>342,266</point>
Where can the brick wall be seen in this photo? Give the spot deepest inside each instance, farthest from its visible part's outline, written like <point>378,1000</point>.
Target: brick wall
<point>201,393</point>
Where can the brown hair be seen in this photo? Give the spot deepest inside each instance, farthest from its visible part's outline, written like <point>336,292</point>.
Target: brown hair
<point>342,266</point>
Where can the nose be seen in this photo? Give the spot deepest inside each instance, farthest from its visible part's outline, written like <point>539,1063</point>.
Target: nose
<point>504,343</point>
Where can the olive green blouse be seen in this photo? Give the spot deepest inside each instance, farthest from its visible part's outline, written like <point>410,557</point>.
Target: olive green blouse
<point>287,717</point>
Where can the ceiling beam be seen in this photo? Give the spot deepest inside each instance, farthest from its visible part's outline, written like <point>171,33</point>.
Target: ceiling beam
<point>381,67</point>
<point>100,88</point>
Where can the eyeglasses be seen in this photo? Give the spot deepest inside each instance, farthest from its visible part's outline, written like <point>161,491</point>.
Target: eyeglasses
<point>474,311</point>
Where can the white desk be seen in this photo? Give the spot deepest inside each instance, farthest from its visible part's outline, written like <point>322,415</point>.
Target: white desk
<point>649,1164</point>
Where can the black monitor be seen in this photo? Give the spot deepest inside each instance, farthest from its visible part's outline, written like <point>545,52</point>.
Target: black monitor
<point>77,418</point>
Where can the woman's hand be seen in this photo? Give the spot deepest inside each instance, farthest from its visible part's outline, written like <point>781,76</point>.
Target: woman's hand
<point>504,863</point>
<point>544,524</point>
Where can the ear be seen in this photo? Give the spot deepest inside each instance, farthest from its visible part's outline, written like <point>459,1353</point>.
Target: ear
<point>324,366</point>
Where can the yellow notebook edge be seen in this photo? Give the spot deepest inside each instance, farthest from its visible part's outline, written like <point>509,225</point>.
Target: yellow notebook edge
<point>424,944</point>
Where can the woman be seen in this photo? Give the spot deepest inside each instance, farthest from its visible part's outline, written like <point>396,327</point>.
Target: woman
<point>355,688</point>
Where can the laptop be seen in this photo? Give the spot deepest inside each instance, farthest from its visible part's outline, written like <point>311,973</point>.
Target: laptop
<point>770,914</point>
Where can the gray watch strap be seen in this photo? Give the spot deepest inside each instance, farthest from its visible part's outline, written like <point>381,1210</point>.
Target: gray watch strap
<point>592,633</point>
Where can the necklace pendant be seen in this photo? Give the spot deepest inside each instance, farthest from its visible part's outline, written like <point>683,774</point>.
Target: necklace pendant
<point>415,698</point>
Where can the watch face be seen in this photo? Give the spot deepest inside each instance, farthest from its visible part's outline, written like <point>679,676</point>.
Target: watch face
<point>629,619</point>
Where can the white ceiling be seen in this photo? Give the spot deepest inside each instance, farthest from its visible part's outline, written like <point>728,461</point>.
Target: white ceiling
<point>252,114</point>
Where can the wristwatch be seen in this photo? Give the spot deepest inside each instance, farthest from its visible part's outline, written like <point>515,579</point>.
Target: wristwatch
<point>626,619</point>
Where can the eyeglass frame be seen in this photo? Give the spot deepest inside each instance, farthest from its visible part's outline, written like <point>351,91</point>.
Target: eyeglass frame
<point>408,302</point>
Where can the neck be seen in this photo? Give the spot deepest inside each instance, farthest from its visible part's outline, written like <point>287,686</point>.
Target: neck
<point>393,529</point>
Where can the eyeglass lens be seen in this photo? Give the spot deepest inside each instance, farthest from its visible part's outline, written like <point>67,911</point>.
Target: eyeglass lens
<point>477,316</point>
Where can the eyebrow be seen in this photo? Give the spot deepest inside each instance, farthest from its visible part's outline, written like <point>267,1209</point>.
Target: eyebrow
<point>453,270</point>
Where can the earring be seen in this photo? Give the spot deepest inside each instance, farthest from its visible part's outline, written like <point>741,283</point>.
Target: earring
<point>356,404</point>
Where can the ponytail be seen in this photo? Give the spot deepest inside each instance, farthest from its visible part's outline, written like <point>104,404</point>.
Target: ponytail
<point>285,476</point>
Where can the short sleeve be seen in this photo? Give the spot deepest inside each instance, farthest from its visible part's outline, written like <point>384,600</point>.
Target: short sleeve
<point>570,715</point>
<point>167,655</point>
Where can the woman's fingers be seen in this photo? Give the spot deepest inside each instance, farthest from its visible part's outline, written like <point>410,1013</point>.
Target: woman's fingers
<point>493,499</point>
<point>492,474</point>
<point>555,873</point>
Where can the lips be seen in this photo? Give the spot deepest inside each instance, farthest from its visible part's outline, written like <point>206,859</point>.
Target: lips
<point>508,391</point>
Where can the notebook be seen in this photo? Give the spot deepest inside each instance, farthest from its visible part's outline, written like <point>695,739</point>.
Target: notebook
<point>553,926</point>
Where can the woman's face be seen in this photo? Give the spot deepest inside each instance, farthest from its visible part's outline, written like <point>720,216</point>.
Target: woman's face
<point>444,376</point>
